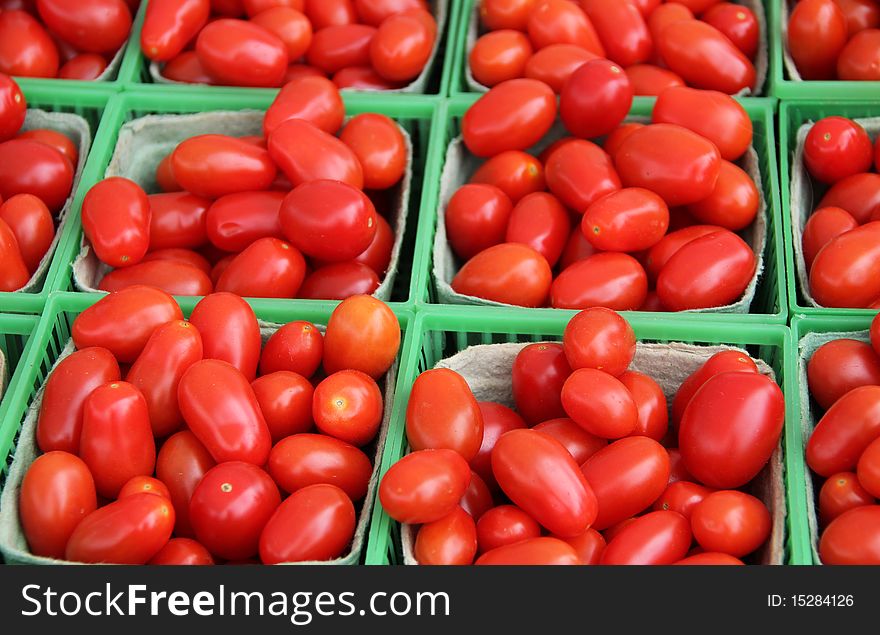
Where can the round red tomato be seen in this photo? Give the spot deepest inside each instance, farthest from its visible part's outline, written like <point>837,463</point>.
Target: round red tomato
<point>733,203</point>
<point>31,167</point>
<point>731,522</point>
<point>631,219</point>
<point>595,99</point>
<point>451,540</point>
<point>599,338</point>
<point>285,400</point>
<point>424,486</point>
<point>380,147</point>
<point>653,418</point>
<point>362,334</point>
<point>839,366</point>
<point>144,485</point>
<point>738,23</point>
<point>837,147</point>
<point>230,331</point>
<point>514,172</point>
<point>840,493</point>
<point>505,525</point>
<point>13,107</point>
<point>181,464</point>
<point>476,218</point>
<point>348,405</point>
<point>443,413</point>
<point>539,372</point>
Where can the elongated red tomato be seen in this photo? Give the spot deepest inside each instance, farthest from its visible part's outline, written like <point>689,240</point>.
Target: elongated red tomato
<point>579,173</point>
<point>514,172</point>
<point>424,486</point>
<point>648,80</point>
<point>653,417</point>
<point>402,45</point>
<point>622,30</point>
<point>336,47</point>
<point>116,220</point>
<point>627,477</point>
<point>240,53</point>
<point>555,63</point>
<point>599,403</point>
<point>476,218</point>
<point>840,365</point>
<point>497,420</point>
<point>170,351</point>
<point>304,153</point>
<point>669,245</point>
<point>220,407</point>
<point>181,464</point>
<point>540,476</point>
<point>823,226</point>
<point>843,433</point>
<point>291,26</point>
<point>733,203</point>
<point>116,441</point>
<point>533,551</point>
<point>31,223</point>
<point>380,147</point>
<point>510,273</point>
<point>96,26</point>
<point>452,540</point>
<point>631,219</point>
<point>31,167</point>
<point>816,35</point>
<point>171,276</point>
<point>57,492</point>
<point>13,107</point>
<point>722,362</point>
<point>296,347</point>
<point>339,281</point>
<point>129,531</point>
<point>868,469</point>
<point>230,331</point>
<point>539,372</point>
<point>595,98</point>
<point>235,221</point>
<point>26,48</point>
<point>177,220</point>
<point>555,22</point>
<point>498,56</point>
<point>477,498</point>
<point>852,538</point>
<point>858,59</point>
<point>55,139</point>
<point>655,538</point>
<point>858,194</point>
<point>312,99</point>
<point>285,400</point>
<point>608,279</point>
<point>846,272</point>
<point>213,165</point>
<point>579,443</point>
<point>169,25</point>
<point>269,268</point>
<point>716,444</point>
<point>144,484</point>
<point>123,321</point>
<point>301,460</point>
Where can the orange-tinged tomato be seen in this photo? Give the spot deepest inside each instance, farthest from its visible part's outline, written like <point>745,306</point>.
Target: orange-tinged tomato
<point>476,218</point>
<point>402,45</point>
<point>731,522</point>
<point>336,47</point>
<point>379,145</point>
<point>506,14</point>
<point>555,63</point>
<point>348,405</point>
<point>451,540</point>
<point>302,460</point>
<point>498,56</point>
<point>170,25</point>
<point>561,22</point>
<point>362,334</point>
<point>509,273</point>
<point>514,172</point>
<point>608,279</point>
<point>650,80</point>
<point>291,26</point>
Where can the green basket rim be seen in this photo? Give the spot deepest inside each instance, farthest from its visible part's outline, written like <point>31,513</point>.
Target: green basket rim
<point>17,390</point>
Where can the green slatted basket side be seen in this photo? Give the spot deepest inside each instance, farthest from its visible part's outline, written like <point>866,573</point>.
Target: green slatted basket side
<point>18,341</point>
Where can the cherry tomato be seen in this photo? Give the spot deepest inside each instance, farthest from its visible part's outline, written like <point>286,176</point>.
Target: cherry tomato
<point>858,59</point>
<point>451,540</point>
<point>312,99</point>
<point>555,63</point>
<point>229,331</point>
<point>496,420</point>
<point>213,165</point>
<point>476,218</point>
<point>362,334</point>
<point>622,30</point>
<point>852,537</point>
<point>505,525</point>
<point>816,35</point>
<point>116,220</point>
<point>731,361</point>
<point>599,338</point>
<point>513,115</point>
<point>533,551</point>
<point>26,49</point>
<point>169,25</point>
<point>649,80</point>
<point>375,11</point>
<point>178,220</point>
<point>858,194</point>
<point>54,139</point>
<point>840,493</point>
<point>595,98</point>
<point>402,45</point>
<point>123,321</point>
<point>424,486</point>
<point>843,433</point>
<point>296,347</point>
<point>380,148</point>
<point>57,492</point>
<point>31,223</point>
<point>285,400</point>
<point>718,448</point>
<point>541,222</point>
<point>116,441</point>
<point>13,107</point>
<point>612,280</point>
<point>579,173</point>
<point>731,522</point>
<point>443,413</point>
<point>331,12</point>
<point>839,366</point>
<point>240,53</point>
<point>846,272</point>
<point>599,403</point>
<point>515,173</point>
<point>509,273</point>
<point>824,225</point>
<point>348,405</point>
<point>230,507</point>
<point>96,26</point>
<point>129,531</point>
<point>660,537</point>
<point>837,147</point>
<point>653,418</point>
<point>235,221</point>
<point>681,497</point>
<point>498,56</point>
<point>738,23</point>
<point>181,464</point>
<point>631,219</point>
<point>291,26</point>
<point>539,372</point>
<point>30,167</point>
<point>560,22</point>
<point>527,465</point>
<point>182,551</point>
<point>477,499</point>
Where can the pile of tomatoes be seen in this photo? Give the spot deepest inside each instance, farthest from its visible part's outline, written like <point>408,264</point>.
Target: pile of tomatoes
<point>68,39</point>
<point>646,221</point>
<point>700,43</point>
<point>206,433</point>
<point>587,470</point>
<point>36,175</point>
<point>366,44</point>
<point>835,39</point>
<point>243,214</point>
<point>844,447</point>
<point>841,239</point>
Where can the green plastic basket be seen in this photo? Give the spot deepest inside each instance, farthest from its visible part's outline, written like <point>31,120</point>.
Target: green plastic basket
<point>88,102</point>
<point>770,304</point>
<point>801,326</point>
<point>792,115</point>
<point>16,339</point>
<point>418,114</point>
<point>784,88</point>
<point>443,331</point>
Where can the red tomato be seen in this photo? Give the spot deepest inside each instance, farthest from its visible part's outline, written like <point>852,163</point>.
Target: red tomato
<point>541,222</point>
<point>129,531</point>
<point>681,497</point>
<point>599,338</point>
<point>239,53</point>
<point>515,173</point>
<point>698,6</point>
<point>54,139</point>
<point>339,281</point>
<point>26,49</point>
<point>731,361</point>
<point>291,26</point>
<point>269,268</point>
<point>627,477</point>
<point>875,334</point>
<point>375,11</point>
<point>213,165</point>
<point>852,538</point>
<point>443,413</point>
<point>301,460</point>
<point>858,194</point>
<point>539,372</point>
<point>560,22</point>
<point>496,420</point>
<point>677,470</point>
<point>859,58</point>
<point>599,403</point>
<point>229,331</point>
<point>31,223</point>
<point>734,202</point>
<point>362,334</point>
<point>498,56</point>
<point>655,538</point>
<point>595,98</point>
<point>653,418</point>
<point>285,400</point>
<point>670,244</point>
<point>579,173</point>
<point>843,433</point>
<point>295,347</point>
<point>622,30</point>
<point>231,8</point>
<point>235,221</point>
<point>30,167</point>
<point>304,153</point>
<point>171,276</point>
<point>738,23</point>
<point>186,68</point>
<point>181,464</point>
<point>185,256</point>
<point>837,147</point>
<point>617,136</point>
<point>348,405</point>
<point>731,522</point>
<point>513,115</point>
<point>402,45</point>
<point>664,15</point>
<point>824,225</point>
<point>476,218</point>
<point>579,443</point>
<point>182,551</point>
<point>57,492</point>
<point>116,221</point>
<point>555,63</point>
<point>839,366</point>
<point>377,256</point>
<point>860,15</point>
<point>144,485</point>
<point>588,546</point>
<point>116,441</point>
<point>649,80</point>
<point>362,78</point>
<point>452,540</point>
<point>710,559</point>
<point>169,25</point>
<point>123,321</point>
<point>230,507</point>
<point>505,525</point>
<point>96,26</point>
<point>424,486</point>
<point>528,465</point>
<point>380,147</point>
<point>165,176</point>
<point>330,13</point>
<point>576,249</point>
<point>840,493</point>
<point>816,35</point>
<point>336,47</point>
<point>509,273</point>
<point>177,220</point>
<point>713,270</point>
<point>846,272</point>
<point>13,107</point>
<point>612,280</point>
<point>717,446</point>
<point>477,499</point>
<point>631,219</point>
<point>534,551</point>
<point>313,99</point>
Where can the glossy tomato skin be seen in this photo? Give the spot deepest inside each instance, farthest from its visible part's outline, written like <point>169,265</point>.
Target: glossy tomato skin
<point>622,30</point>
<point>650,80</point>
<point>301,460</point>
<point>717,448</point>
<point>558,22</point>
<point>476,218</point>
<point>733,203</point>
<point>182,551</point>
<point>362,334</point>
<point>170,25</point>
<point>285,400</point>
<point>599,403</point>
<point>229,330</point>
<point>402,45</point>
<point>498,56</point>
<point>442,412</point>
<point>477,498</point>
<point>230,507</point>
<point>296,347</point>
<point>653,417</point>
<point>213,165</point>
<point>348,405</point>
<point>144,484</point>
<point>837,147</point>
<point>170,351</point>
<point>97,26</point>
<point>57,492</point>
<point>738,23</point>
<point>724,265</point>
<point>824,225</point>
<point>336,47</point>
<point>533,551</point>
<point>839,366</point>
<point>579,173</point>
<point>595,99</point>
<point>631,219</point>
<point>840,493</point>
<point>607,279</point>
<point>55,139</point>
<point>116,220</point>
<point>30,167</point>
<point>269,268</point>
<point>128,531</point>
<point>731,522</point>
<point>843,433</point>
<point>555,63</point>
<point>852,537</point>
<point>860,15</point>
<point>171,276</point>
<point>514,172</point>
<point>424,486</point>
<point>497,420</point>
<point>181,464</point>
<point>858,59</point>
<point>31,223</point>
<point>668,246</point>
<point>26,49</point>
<point>177,220</point>
<point>509,273</point>
<point>304,153</point>
<point>588,546</point>
<point>858,194</point>
<point>579,443</point>
<point>313,99</point>
<point>660,537</point>
<point>710,559</point>
<point>13,107</point>
<point>452,540</point>
<point>846,272</point>
<point>331,12</point>
<point>599,338</point>
<point>380,147</point>
<point>506,14</point>
<point>235,221</point>
<point>731,361</point>
<point>627,477</point>
<point>239,53</point>
<point>681,497</point>
<point>291,26</point>
<point>539,372</point>
<point>868,469</point>
<point>123,321</point>
<point>186,68</point>
<point>528,465</point>
<point>116,441</point>
<point>375,11</point>
<point>816,35</point>
<point>513,115</point>
<point>505,525</point>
